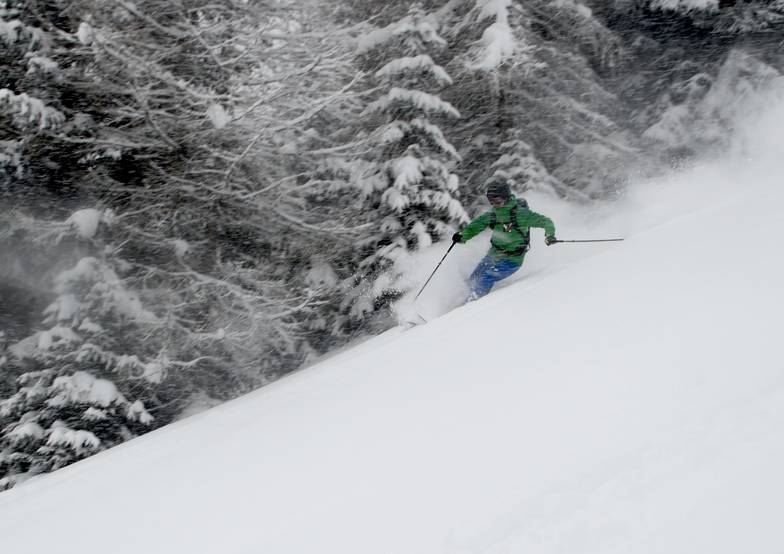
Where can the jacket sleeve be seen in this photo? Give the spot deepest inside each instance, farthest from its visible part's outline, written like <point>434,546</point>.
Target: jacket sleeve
<point>527,218</point>
<point>475,227</point>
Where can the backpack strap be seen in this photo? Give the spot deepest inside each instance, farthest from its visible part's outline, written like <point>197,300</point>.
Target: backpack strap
<point>526,244</point>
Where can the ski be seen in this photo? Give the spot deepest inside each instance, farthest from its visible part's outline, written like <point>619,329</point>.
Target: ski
<point>412,324</point>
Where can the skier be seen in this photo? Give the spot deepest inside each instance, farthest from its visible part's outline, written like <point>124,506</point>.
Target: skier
<point>510,221</point>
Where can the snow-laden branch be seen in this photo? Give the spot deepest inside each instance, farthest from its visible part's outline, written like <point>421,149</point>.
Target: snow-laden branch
<point>498,42</point>
<point>30,110</point>
<point>173,32</point>
<point>417,25</point>
<point>396,130</point>
<point>423,101</point>
<point>421,64</point>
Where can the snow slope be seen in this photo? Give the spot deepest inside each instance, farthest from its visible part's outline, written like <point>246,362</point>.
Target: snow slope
<point>614,398</point>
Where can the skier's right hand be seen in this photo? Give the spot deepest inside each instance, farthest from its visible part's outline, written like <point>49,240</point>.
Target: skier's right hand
<point>457,237</point>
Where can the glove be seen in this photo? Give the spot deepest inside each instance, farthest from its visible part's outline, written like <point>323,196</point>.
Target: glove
<point>457,237</point>
<point>549,241</point>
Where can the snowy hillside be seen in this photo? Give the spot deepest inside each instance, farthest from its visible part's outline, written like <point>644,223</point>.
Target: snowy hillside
<point>615,398</point>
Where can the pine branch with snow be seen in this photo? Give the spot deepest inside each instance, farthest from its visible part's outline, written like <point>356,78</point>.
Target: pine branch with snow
<point>518,165</point>
<point>58,418</point>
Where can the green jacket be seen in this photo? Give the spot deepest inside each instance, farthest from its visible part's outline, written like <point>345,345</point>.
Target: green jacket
<point>505,238</point>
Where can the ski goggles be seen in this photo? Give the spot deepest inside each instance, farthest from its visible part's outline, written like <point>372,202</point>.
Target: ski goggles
<point>496,200</point>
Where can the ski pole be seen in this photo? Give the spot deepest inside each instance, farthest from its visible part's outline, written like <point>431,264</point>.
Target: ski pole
<point>434,271</point>
<point>590,240</point>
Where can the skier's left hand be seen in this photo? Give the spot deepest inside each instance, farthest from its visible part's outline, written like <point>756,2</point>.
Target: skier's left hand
<point>549,241</point>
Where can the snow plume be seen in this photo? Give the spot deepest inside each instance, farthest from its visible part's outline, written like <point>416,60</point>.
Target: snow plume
<point>759,140</point>
<point>708,108</point>
<point>498,42</point>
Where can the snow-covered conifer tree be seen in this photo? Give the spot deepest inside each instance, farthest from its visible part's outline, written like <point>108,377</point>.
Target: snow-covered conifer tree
<point>752,16</point>
<point>57,418</point>
<point>520,167</point>
<point>98,347</point>
<point>409,188</point>
<point>510,77</point>
<point>181,125</point>
<point>726,17</point>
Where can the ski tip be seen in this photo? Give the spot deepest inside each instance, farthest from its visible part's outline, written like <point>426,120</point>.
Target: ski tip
<point>409,324</point>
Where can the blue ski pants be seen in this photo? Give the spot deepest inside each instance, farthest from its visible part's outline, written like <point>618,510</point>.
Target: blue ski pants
<point>487,274</point>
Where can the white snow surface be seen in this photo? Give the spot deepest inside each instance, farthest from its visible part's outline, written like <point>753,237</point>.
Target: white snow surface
<point>610,398</point>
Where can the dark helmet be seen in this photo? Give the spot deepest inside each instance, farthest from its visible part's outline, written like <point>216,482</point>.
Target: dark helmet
<point>499,189</point>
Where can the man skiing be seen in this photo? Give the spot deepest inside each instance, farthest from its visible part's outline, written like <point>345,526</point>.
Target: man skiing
<point>510,221</point>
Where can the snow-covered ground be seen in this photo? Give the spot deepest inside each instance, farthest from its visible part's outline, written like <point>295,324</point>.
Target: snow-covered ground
<point>611,398</point>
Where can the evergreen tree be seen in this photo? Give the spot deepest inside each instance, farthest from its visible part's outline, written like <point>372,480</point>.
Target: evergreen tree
<point>58,418</point>
<point>750,16</point>
<point>692,71</point>
<point>401,186</point>
<point>98,342</point>
<point>518,166</point>
<point>151,149</point>
<point>724,17</point>
<point>538,67</point>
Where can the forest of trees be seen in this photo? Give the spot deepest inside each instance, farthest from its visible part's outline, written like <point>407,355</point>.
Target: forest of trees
<point>200,196</point>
